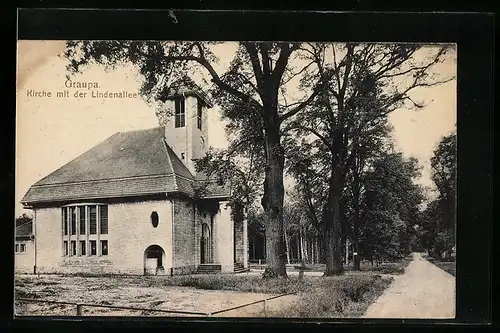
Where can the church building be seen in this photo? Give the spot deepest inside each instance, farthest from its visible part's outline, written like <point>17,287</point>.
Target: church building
<point>131,204</point>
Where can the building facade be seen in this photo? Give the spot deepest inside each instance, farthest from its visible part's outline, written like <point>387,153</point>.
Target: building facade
<point>133,204</point>
<point>24,251</point>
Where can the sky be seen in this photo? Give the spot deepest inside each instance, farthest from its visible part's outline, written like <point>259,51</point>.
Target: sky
<point>51,131</point>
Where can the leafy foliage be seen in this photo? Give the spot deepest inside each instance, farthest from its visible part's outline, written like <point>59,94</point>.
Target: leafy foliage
<point>438,221</point>
<point>389,204</point>
<point>346,125</point>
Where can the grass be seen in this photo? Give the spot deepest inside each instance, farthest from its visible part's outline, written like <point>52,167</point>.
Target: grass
<point>316,297</point>
<point>448,266</point>
<point>253,284</point>
<point>336,297</point>
<point>345,296</point>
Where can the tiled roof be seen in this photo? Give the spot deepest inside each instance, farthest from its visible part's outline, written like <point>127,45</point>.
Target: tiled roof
<point>24,230</point>
<point>125,164</point>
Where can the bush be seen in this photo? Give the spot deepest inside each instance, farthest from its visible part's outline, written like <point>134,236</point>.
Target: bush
<point>344,296</point>
<point>254,284</point>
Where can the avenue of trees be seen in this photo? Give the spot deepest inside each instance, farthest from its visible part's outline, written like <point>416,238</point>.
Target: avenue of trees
<point>315,111</point>
<point>438,221</point>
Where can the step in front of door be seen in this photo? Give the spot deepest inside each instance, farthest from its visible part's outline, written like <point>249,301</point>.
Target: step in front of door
<point>240,268</point>
<point>209,269</point>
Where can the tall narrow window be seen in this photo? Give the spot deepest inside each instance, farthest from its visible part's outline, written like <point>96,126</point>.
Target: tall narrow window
<point>180,113</point>
<point>83,248</point>
<point>65,248</point>
<point>104,247</point>
<point>200,114</point>
<point>23,247</point>
<point>65,220</point>
<point>17,247</point>
<point>93,248</point>
<point>92,220</point>
<point>104,219</point>
<point>82,219</point>
<point>72,211</point>
<point>73,248</point>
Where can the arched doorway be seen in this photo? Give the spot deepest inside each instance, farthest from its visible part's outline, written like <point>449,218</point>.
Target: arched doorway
<point>154,256</point>
<point>206,244</point>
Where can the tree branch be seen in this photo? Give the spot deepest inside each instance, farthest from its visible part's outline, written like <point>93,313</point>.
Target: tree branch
<point>301,105</point>
<point>254,59</point>
<point>281,63</point>
<point>216,79</point>
<point>313,131</point>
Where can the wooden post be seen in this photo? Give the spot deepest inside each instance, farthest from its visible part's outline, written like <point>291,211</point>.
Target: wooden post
<point>301,271</point>
<point>265,315</point>
<point>78,309</point>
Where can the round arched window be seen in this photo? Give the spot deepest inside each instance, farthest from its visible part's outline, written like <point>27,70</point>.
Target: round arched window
<point>154,219</point>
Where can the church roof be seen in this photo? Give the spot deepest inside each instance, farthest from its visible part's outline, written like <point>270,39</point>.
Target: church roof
<point>126,164</point>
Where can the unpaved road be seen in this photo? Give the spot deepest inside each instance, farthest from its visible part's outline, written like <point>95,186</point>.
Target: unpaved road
<point>423,291</point>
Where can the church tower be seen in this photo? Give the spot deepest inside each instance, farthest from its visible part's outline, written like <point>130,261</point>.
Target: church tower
<point>186,125</point>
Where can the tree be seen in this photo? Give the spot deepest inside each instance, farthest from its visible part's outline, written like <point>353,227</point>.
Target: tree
<point>370,147</point>
<point>444,173</point>
<point>439,218</point>
<point>251,93</point>
<point>367,82</point>
<point>390,202</point>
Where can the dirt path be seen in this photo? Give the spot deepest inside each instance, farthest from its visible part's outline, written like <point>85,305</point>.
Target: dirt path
<point>423,291</point>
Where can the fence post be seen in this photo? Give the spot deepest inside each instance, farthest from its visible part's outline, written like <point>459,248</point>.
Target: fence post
<point>265,315</point>
<point>78,309</point>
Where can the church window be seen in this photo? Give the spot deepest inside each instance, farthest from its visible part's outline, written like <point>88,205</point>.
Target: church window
<point>154,219</point>
<point>200,114</point>
<point>104,219</point>
<point>73,220</point>
<point>82,226</point>
<point>93,248</point>
<point>180,112</point>
<point>83,248</point>
<point>104,247</point>
<point>82,219</point>
<point>93,220</point>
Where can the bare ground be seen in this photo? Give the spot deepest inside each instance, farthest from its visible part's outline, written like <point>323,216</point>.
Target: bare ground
<point>127,292</point>
<point>423,291</point>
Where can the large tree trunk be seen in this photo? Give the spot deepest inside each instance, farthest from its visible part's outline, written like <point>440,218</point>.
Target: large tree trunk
<point>272,200</point>
<point>333,228</point>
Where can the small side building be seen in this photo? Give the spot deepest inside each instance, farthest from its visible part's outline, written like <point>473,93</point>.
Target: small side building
<point>24,259</point>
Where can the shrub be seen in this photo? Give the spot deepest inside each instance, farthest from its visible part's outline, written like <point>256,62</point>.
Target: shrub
<point>344,296</point>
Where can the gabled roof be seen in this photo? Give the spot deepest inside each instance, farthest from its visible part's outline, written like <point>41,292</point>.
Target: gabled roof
<point>25,230</point>
<point>126,164</point>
